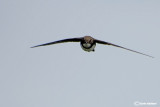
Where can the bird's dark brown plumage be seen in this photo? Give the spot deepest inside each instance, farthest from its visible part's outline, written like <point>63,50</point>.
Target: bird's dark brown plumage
<point>88,44</point>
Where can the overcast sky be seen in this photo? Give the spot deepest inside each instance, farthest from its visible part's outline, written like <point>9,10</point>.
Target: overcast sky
<point>64,75</point>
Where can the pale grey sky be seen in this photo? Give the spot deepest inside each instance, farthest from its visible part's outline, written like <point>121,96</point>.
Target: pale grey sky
<point>64,75</point>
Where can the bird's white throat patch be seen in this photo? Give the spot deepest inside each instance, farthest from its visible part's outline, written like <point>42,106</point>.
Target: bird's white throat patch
<point>87,45</point>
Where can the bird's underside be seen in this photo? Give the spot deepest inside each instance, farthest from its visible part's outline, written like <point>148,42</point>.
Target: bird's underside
<point>88,44</point>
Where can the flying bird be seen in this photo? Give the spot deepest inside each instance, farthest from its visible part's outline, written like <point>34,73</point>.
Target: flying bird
<point>88,44</point>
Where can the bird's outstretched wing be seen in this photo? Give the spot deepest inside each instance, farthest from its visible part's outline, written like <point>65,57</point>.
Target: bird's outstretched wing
<point>60,41</point>
<point>107,43</point>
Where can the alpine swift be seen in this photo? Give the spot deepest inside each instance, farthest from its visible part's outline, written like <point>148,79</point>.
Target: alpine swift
<point>88,44</point>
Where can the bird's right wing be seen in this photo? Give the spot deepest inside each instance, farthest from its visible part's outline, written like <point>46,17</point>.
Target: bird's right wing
<point>60,41</point>
<point>107,43</point>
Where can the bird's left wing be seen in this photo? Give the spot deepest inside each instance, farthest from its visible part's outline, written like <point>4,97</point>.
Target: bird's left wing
<point>60,41</point>
<point>107,43</point>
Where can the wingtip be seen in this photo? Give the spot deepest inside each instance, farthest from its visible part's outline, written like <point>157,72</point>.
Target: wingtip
<point>152,57</point>
<point>149,56</point>
<point>33,46</point>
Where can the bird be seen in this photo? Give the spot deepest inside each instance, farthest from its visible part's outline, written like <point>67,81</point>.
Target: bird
<point>88,44</point>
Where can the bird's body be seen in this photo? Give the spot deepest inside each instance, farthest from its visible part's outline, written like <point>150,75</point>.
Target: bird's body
<point>87,43</point>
